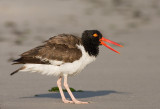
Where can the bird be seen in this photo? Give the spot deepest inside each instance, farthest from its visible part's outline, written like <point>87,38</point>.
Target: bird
<point>64,55</point>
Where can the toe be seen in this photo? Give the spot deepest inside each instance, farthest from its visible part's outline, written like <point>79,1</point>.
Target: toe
<point>67,101</point>
<point>80,102</point>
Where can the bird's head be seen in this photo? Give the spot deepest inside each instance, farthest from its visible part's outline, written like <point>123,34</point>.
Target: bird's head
<point>95,38</point>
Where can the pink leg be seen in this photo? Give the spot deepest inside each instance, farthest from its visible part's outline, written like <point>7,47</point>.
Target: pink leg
<point>61,91</point>
<point>70,93</point>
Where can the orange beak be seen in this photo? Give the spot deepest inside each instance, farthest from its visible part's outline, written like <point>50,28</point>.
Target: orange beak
<point>109,41</point>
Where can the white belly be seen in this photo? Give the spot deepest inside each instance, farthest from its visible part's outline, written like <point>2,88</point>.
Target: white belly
<point>64,69</point>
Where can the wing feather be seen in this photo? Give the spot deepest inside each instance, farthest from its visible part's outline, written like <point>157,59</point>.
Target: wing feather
<point>58,48</point>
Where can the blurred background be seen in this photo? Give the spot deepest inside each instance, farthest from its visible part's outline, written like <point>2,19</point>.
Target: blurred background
<point>135,24</point>
<point>25,21</point>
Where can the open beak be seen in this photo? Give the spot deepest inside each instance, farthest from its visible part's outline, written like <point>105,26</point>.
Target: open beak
<point>109,41</point>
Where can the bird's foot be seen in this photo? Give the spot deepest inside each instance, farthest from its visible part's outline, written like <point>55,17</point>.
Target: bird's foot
<point>80,102</point>
<point>67,101</point>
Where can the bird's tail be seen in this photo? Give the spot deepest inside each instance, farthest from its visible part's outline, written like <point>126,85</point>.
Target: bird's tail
<point>17,70</point>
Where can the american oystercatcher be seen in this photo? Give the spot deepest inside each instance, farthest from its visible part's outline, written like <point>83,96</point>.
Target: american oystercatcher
<point>64,55</point>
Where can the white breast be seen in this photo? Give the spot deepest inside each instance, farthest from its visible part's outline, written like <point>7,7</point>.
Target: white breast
<point>64,69</point>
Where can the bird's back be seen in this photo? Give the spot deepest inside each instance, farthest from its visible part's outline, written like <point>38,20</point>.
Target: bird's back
<point>58,48</point>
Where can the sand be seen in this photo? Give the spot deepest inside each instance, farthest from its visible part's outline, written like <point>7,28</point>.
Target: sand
<point>126,81</point>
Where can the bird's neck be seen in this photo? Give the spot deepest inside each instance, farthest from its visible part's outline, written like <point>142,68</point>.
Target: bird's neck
<point>93,50</point>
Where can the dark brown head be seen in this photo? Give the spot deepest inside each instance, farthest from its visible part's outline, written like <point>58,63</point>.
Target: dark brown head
<point>91,39</point>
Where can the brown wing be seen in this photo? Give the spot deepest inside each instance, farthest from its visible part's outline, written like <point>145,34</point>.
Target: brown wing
<point>61,48</point>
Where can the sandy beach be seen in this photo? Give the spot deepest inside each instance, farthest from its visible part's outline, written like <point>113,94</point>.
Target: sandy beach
<point>126,81</point>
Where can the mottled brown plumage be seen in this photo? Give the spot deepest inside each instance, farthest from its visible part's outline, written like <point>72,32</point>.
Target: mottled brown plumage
<point>60,48</point>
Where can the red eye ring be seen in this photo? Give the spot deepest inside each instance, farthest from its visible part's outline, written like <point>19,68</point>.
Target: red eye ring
<point>95,34</point>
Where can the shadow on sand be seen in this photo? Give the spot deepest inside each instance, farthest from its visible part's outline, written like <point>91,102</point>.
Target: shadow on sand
<point>85,94</point>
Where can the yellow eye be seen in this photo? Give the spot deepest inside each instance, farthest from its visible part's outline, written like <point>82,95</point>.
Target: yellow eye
<point>95,34</point>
